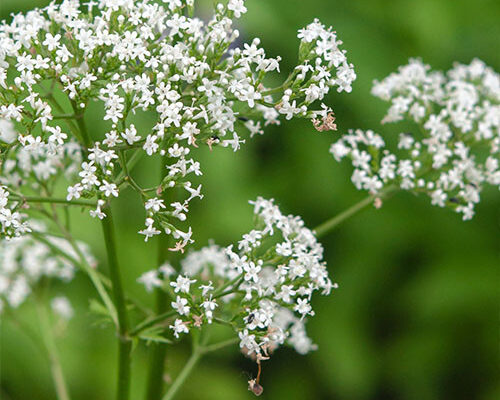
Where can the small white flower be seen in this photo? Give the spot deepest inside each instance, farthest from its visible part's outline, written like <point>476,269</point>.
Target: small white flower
<point>179,327</point>
<point>182,284</point>
<point>180,305</point>
<point>61,306</point>
<point>150,280</point>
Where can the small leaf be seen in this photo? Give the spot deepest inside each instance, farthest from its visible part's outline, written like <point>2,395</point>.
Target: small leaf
<point>154,339</point>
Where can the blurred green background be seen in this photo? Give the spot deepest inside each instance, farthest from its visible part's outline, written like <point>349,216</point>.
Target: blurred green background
<point>417,312</point>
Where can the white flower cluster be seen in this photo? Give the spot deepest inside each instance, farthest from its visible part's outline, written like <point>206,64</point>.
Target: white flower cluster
<point>139,56</point>
<point>323,66</point>
<point>264,288</point>
<point>11,221</point>
<point>34,166</point>
<point>24,262</point>
<point>454,149</point>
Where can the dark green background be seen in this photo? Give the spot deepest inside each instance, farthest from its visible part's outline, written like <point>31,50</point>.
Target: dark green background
<point>416,315</point>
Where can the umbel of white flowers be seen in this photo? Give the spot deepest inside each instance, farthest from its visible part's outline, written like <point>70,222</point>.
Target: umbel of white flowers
<point>262,289</point>
<point>454,147</point>
<point>25,261</point>
<point>137,56</point>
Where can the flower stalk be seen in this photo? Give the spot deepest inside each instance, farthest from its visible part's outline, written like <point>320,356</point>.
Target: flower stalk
<point>329,225</point>
<point>51,348</point>
<point>159,350</point>
<point>124,345</point>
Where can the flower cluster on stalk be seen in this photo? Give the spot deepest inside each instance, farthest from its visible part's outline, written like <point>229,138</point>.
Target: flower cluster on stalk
<point>453,149</point>
<point>26,262</point>
<point>140,56</point>
<point>261,287</point>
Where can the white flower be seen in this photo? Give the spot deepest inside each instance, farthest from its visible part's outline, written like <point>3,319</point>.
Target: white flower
<point>182,284</point>
<point>179,327</point>
<point>62,307</point>
<point>238,7</point>
<point>303,307</point>
<point>7,132</point>
<point>150,230</point>
<point>109,189</point>
<point>130,135</point>
<point>180,305</point>
<point>150,280</point>
<point>154,204</point>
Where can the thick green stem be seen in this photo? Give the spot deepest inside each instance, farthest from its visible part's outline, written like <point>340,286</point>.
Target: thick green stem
<point>50,345</point>
<point>159,350</point>
<point>124,345</point>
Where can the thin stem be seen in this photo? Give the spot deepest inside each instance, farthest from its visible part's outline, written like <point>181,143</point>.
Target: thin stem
<point>50,345</point>
<point>130,165</point>
<point>332,223</point>
<point>69,122</point>
<point>191,363</point>
<point>151,321</point>
<point>91,272</point>
<point>39,199</point>
<point>65,116</point>
<point>124,345</point>
<point>217,346</point>
<point>25,329</point>
<point>234,284</point>
<point>80,121</point>
<point>104,281</point>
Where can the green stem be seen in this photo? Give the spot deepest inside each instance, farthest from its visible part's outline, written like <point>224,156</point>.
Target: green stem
<point>235,283</point>
<point>159,350</point>
<point>332,223</point>
<point>25,329</point>
<point>196,354</point>
<point>50,345</point>
<point>56,104</point>
<point>136,157</point>
<point>124,345</point>
<point>151,321</point>
<point>191,363</point>
<point>51,200</point>
<point>65,116</point>
<point>217,346</point>
<point>80,121</point>
<point>94,276</point>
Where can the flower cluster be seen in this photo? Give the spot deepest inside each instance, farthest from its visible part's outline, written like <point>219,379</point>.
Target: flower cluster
<point>454,149</point>
<point>11,223</point>
<point>133,57</point>
<point>25,261</point>
<point>262,289</point>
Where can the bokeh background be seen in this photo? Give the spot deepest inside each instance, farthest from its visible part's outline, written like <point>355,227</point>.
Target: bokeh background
<point>417,312</point>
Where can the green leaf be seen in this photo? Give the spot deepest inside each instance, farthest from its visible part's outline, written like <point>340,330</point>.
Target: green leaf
<point>153,335</point>
<point>154,339</point>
